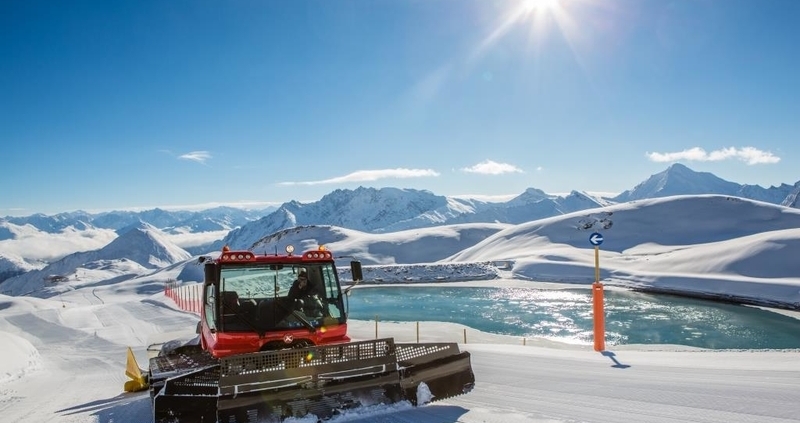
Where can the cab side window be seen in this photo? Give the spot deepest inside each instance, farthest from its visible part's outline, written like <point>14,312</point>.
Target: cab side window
<point>210,305</point>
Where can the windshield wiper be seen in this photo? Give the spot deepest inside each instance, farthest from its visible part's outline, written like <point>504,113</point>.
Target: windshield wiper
<point>299,316</point>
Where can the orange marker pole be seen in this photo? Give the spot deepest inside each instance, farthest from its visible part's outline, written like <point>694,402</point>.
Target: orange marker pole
<point>597,306</point>
<point>596,264</point>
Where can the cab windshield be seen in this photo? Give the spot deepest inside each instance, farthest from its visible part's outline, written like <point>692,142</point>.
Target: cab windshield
<point>261,297</point>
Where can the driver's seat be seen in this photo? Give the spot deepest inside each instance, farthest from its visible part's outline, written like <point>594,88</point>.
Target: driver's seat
<point>229,301</point>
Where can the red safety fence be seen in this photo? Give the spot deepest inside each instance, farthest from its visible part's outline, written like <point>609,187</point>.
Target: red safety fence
<point>186,297</point>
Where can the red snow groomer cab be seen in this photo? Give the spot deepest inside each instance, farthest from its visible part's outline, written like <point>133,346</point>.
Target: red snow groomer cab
<point>271,346</point>
<point>250,304</point>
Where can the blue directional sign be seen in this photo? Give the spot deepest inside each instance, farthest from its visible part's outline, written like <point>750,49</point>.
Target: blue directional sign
<point>596,238</point>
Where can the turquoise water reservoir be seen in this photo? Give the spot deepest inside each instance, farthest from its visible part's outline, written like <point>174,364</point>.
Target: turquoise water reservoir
<point>565,315</point>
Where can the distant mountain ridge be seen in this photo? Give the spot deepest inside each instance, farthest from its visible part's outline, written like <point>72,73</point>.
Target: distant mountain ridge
<point>213,219</point>
<point>793,199</point>
<point>13,266</point>
<point>707,243</point>
<point>392,209</point>
<point>678,179</point>
<point>143,247</point>
<point>382,210</point>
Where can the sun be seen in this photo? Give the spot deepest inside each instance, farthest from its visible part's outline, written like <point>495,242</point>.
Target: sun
<point>566,21</point>
<point>540,14</point>
<point>531,6</point>
<point>551,24</point>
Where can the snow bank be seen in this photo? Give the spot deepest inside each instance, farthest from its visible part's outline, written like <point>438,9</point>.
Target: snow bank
<point>431,272</point>
<point>17,357</point>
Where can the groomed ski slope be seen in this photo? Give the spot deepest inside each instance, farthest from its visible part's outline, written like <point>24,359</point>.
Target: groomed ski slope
<point>68,366</point>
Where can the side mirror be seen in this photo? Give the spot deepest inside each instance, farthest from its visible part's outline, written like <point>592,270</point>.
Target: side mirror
<point>210,273</point>
<point>355,270</point>
<point>358,276</point>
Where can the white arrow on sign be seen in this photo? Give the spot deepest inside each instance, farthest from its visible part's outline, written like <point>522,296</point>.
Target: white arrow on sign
<point>596,239</point>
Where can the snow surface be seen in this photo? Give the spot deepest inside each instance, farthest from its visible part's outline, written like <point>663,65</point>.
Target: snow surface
<point>63,354</point>
<point>67,365</point>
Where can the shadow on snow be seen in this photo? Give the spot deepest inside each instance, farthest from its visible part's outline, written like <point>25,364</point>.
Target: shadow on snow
<point>123,408</point>
<point>613,358</point>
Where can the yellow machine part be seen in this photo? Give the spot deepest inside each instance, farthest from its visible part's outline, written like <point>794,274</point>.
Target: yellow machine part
<point>138,382</point>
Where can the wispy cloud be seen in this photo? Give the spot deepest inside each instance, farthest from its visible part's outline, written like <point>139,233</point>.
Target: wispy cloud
<point>489,167</point>
<point>196,156</point>
<point>370,175</point>
<point>749,155</point>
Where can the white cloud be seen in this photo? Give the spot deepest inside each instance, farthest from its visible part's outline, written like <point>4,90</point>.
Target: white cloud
<point>749,155</point>
<point>34,245</point>
<point>196,156</point>
<point>489,167</point>
<point>370,175</point>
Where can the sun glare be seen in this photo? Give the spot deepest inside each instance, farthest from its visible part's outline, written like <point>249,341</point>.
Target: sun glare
<point>550,25</point>
<point>544,18</point>
<point>539,14</point>
<point>540,5</point>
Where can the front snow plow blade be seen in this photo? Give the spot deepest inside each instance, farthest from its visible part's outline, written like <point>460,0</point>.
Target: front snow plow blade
<point>321,380</point>
<point>137,380</point>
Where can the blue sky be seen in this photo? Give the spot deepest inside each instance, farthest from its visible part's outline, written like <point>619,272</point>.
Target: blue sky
<point>142,104</point>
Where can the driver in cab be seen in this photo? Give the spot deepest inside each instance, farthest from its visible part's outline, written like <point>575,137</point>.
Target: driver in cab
<point>304,296</point>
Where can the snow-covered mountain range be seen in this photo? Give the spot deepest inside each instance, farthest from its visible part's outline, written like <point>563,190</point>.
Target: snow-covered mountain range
<point>680,180</point>
<point>137,251</point>
<point>710,245</point>
<point>169,221</point>
<point>369,210</point>
<point>392,209</point>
